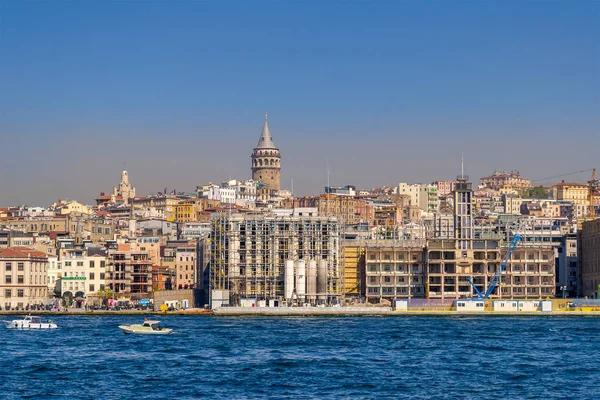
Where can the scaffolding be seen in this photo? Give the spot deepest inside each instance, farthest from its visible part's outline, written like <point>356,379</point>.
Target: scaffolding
<point>249,253</point>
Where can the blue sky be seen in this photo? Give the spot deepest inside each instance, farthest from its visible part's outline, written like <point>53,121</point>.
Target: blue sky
<point>385,92</point>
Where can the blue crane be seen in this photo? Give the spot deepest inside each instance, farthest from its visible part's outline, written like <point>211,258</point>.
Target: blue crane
<point>499,271</point>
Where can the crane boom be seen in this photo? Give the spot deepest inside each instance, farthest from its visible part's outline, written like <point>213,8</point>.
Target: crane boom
<point>499,271</point>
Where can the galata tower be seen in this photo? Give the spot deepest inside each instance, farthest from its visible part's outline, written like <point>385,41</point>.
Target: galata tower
<point>266,160</point>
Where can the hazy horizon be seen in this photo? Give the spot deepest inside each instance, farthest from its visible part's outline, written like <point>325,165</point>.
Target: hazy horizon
<point>383,92</point>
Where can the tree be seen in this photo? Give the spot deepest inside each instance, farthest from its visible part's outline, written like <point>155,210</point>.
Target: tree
<point>535,192</point>
<point>105,294</point>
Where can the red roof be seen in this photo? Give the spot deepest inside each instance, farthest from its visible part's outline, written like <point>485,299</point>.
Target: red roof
<point>21,252</point>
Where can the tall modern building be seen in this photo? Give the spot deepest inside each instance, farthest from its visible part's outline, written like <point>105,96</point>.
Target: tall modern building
<point>266,160</point>
<point>463,215</point>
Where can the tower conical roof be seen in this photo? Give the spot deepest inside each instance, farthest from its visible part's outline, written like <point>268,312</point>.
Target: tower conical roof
<point>266,140</point>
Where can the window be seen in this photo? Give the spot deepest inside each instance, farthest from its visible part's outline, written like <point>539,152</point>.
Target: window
<point>92,276</point>
<point>20,293</point>
<point>20,266</point>
<point>80,263</point>
<point>8,266</point>
<point>102,276</point>
<point>67,263</point>
<point>20,279</point>
<point>92,288</point>
<point>92,264</point>
<point>102,265</point>
<point>8,279</point>
<point>7,293</point>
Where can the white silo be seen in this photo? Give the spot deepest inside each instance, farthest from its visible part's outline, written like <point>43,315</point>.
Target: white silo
<point>288,280</point>
<point>322,280</point>
<point>301,279</point>
<point>311,282</point>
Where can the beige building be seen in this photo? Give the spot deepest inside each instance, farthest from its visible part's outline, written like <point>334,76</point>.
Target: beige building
<point>348,210</point>
<point>570,191</point>
<point>506,181</point>
<point>186,266</point>
<point>588,247</point>
<point>73,206</point>
<point>59,223</point>
<point>512,204</point>
<point>24,277</point>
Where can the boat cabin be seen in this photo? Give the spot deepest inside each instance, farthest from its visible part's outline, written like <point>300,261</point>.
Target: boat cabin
<point>154,325</point>
<point>33,320</point>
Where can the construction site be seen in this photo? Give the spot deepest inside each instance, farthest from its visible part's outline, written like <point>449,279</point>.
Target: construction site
<point>283,259</point>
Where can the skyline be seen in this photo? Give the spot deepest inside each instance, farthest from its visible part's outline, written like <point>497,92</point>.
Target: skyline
<point>383,93</point>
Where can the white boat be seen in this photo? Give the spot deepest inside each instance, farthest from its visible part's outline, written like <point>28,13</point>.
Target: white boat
<point>147,328</point>
<point>30,322</point>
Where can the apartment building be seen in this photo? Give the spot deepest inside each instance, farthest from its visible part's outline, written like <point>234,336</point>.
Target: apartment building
<point>186,266</point>
<point>24,279</point>
<point>577,193</point>
<point>129,272</point>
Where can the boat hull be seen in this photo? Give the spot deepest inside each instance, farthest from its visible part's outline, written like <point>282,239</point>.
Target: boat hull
<point>129,330</point>
<point>29,326</point>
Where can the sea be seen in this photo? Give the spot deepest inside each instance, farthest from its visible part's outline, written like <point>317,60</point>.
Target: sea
<point>211,357</point>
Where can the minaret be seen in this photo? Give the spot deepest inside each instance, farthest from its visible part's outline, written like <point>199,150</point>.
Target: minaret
<point>463,214</point>
<point>266,166</point>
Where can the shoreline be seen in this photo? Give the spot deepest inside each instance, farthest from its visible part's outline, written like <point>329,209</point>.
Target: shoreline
<point>304,312</point>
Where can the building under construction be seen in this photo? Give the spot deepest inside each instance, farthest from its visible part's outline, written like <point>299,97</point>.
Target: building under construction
<point>292,258</point>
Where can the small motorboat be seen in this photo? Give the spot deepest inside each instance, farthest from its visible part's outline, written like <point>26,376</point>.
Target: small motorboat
<point>147,328</point>
<point>30,322</point>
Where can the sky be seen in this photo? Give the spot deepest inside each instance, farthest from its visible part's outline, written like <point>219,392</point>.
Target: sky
<point>381,91</point>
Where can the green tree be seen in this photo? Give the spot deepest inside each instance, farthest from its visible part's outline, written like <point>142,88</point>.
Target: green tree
<point>105,294</point>
<point>535,192</point>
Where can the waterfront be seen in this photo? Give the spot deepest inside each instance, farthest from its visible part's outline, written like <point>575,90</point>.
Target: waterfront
<point>306,357</point>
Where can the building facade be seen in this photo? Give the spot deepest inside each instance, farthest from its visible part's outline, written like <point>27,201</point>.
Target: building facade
<point>511,181</point>
<point>293,259</point>
<point>395,270</point>
<point>589,259</point>
<point>24,279</point>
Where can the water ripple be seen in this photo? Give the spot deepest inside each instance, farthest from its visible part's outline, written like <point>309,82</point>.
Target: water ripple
<point>306,357</point>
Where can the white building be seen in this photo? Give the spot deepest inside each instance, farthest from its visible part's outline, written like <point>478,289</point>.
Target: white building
<point>80,275</point>
<point>412,190</point>
<point>193,230</point>
<point>227,195</point>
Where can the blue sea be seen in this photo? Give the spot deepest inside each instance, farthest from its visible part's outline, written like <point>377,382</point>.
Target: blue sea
<point>414,357</point>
